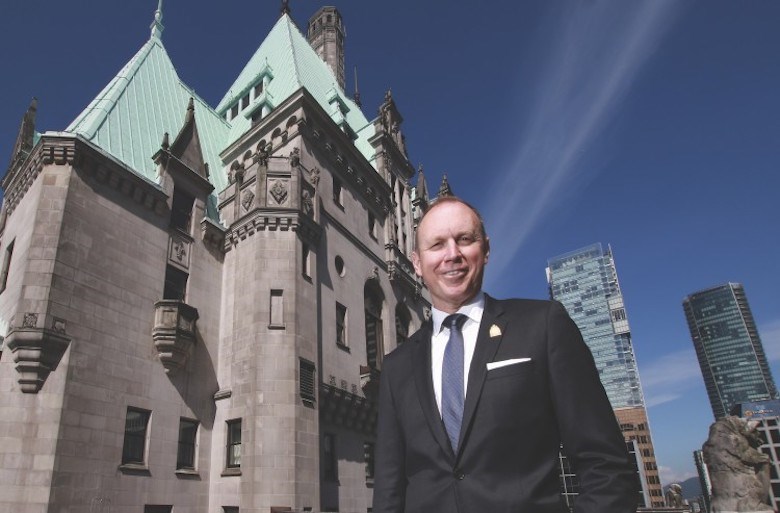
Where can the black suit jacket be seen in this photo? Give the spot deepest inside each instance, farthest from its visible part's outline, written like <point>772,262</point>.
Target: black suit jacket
<point>515,418</point>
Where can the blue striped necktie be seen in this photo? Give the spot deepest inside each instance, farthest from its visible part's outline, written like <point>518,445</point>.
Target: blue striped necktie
<point>452,379</point>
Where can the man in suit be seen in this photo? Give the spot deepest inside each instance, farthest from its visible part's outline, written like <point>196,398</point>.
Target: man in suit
<point>474,407</point>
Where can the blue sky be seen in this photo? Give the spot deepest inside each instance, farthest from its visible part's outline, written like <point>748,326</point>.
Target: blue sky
<point>650,125</point>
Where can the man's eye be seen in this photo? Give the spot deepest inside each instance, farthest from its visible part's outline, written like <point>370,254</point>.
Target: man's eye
<point>466,239</point>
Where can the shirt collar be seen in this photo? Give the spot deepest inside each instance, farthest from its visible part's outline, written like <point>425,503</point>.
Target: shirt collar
<point>473,310</point>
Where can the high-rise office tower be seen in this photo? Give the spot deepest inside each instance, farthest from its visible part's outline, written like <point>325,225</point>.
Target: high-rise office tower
<point>729,349</point>
<point>585,281</point>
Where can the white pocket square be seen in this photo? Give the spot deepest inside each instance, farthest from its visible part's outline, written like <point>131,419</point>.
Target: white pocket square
<point>504,363</point>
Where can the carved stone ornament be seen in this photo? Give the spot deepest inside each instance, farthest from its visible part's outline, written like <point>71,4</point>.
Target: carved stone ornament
<point>279,191</point>
<point>295,157</point>
<point>58,326</point>
<point>30,320</point>
<point>314,176</point>
<point>179,251</point>
<point>261,157</point>
<point>307,203</point>
<point>246,202</point>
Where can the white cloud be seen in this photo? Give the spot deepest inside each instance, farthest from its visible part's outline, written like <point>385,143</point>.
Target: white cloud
<point>598,48</point>
<point>667,377</point>
<point>669,475</point>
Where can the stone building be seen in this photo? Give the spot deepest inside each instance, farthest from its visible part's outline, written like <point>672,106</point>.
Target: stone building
<point>195,300</point>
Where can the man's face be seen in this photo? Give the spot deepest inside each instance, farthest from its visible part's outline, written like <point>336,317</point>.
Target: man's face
<point>451,255</point>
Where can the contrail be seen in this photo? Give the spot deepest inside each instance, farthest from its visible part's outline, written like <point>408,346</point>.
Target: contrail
<point>598,50</point>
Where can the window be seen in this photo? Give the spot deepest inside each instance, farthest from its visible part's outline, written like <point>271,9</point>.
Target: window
<point>245,101</point>
<point>337,192</point>
<point>368,457</point>
<point>157,508</point>
<point>402,321</point>
<point>372,225</point>
<point>234,111</point>
<point>373,313</point>
<point>229,509</point>
<point>181,210</point>
<point>9,251</point>
<point>233,444</point>
<point>277,309</point>
<point>258,89</point>
<point>136,425</point>
<point>341,325</point>
<point>175,283</point>
<point>305,261</point>
<point>185,458</point>
<point>329,459</point>
<point>307,381</point>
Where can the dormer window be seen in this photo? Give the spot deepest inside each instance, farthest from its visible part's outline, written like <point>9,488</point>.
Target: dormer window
<point>234,111</point>
<point>245,101</point>
<point>259,89</point>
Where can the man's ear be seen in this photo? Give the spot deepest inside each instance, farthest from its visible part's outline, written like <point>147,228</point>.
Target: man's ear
<point>416,263</point>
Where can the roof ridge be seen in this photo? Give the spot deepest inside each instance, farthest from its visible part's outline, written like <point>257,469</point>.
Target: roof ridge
<point>292,48</point>
<point>111,92</point>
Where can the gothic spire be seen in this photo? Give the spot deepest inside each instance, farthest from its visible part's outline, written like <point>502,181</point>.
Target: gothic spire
<point>157,26</point>
<point>26,136</point>
<point>444,188</point>
<point>422,185</point>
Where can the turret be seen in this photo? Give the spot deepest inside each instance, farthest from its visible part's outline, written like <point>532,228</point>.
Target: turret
<point>326,36</point>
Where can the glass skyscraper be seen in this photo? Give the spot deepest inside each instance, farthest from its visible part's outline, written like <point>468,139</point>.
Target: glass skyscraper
<point>585,281</point>
<point>729,349</point>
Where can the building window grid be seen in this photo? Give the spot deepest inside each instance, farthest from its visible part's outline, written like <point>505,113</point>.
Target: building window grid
<point>188,432</point>
<point>9,251</point>
<point>341,325</point>
<point>136,433</point>
<point>233,444</point>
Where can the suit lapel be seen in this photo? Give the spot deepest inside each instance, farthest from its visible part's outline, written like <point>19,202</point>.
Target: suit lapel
<point>484,352</point>
<point>424,383</point>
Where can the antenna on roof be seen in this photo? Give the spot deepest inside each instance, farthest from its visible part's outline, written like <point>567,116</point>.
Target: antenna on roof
<point>356,96</point>
<point>285,7</point>
<point>157,26</point>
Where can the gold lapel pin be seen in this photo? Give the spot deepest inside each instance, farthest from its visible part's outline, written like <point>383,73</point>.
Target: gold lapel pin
<point>495,331</point>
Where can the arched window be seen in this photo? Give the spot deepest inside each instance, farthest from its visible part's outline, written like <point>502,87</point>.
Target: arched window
<point>402,321</point>
<point>373,300</point>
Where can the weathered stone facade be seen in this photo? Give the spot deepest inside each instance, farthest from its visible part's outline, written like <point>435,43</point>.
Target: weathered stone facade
<point>271,319</point>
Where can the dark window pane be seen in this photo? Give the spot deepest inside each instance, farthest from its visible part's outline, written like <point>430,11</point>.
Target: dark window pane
<point>175,283</point>
<point>308,387</point>
<point>188,429</point>
<point>181,211</point>
<point>136,424</point>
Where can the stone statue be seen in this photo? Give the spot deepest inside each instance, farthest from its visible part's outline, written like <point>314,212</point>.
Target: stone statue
<point>739,472</point>
<point>674,498</point>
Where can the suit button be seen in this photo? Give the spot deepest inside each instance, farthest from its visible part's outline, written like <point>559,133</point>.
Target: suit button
<point>457,474</point>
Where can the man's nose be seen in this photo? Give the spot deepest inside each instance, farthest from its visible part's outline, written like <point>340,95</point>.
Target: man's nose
<point>451,250</point>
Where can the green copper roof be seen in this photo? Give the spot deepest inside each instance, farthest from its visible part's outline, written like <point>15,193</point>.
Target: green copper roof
<point>146,99</point>
<point>286,58</point>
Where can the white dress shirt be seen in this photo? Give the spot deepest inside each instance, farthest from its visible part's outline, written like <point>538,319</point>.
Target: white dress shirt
<point>441,334</point>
